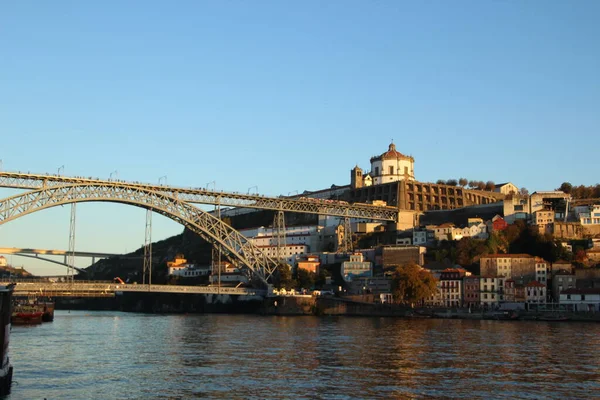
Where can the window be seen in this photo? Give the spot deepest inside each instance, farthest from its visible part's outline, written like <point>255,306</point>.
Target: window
<point>376,171</point>
<point>406,173</point>
<point>392,170</point>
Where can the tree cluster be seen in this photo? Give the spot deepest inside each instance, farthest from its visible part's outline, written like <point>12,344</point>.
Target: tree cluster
<point>581,191</point>
<point>412,284</point>
<point>463,182</point>
<point>516,238</point>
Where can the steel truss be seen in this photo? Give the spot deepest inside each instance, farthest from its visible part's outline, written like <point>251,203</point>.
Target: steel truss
<point>234,245</point>
<point>279,235</point>
<point>202,196</point>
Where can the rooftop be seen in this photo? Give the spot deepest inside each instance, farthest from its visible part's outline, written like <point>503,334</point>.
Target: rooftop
<point>535,284</point>
<point>507,256</point>
<point>581,291</point>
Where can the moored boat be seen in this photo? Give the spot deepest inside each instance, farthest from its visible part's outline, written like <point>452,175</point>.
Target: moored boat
<point>48,310</point>
<point>26,314</point>
<point>553,318</point>
<point>6,370</point>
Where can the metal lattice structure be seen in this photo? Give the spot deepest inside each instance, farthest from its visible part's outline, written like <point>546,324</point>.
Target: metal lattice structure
<point>147,269</point>
<point>203,196</point>
<point>346,243</point>
<point>234,245</point>
<point>279,234</point>
<point>71,253</point>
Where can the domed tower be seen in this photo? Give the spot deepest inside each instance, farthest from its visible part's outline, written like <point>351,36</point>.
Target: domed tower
<point>392,166</point>
<point>356,178</point>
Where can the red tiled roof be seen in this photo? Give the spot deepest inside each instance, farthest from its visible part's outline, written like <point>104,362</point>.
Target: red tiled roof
<point>535,284</point>
<point>507,256</point>
<point>391,154</point>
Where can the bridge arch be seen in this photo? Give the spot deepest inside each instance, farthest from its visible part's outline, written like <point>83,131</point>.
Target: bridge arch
<point>233,244</point>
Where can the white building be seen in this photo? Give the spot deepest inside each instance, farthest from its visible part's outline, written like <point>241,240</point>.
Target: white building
<point>392,166</point>
<point>443,231</point>
<point>475,231</point>
<point>535,293</point>
<point>423,236</point>
<point>581,299</point>
<point>562,281</point>
<point>489,291</point>
<point>356,267</point>
<point>506,188</point>
<point>290,251</point>
<point>451,286</point>
<point>542,270</point>
<point>591,216</point>
<point>190,270</point>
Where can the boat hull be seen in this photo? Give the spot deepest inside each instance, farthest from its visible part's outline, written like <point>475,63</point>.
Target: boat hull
<point>6,369</point>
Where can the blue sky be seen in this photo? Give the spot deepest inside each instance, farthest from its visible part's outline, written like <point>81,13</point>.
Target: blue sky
<point>289,96</point>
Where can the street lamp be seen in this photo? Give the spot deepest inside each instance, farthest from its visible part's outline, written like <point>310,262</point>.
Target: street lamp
<point>0,165</point>
<point>253,187</point>
<point>214,185</point>
<point>111,174</point>
<point>59,168</point>
<point>293,191</point>
<point>161,178</point>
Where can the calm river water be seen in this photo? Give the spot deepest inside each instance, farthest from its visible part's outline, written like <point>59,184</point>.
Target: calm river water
<point>112,355</point>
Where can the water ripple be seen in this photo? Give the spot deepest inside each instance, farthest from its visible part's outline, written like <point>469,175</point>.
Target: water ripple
<point>84,355</point>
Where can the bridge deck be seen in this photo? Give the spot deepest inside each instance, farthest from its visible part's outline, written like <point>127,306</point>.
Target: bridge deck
<point>110,289</point>
<point>205,196</point>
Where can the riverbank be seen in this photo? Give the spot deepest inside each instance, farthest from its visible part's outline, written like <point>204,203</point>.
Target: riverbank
<point>172,303</point>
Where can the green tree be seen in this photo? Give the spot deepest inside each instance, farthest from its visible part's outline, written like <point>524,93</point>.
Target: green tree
<point>305,279</point>
<point>411,284</point>
<point>283,277</point>
<point>566,187</point>
<point>452,182</point>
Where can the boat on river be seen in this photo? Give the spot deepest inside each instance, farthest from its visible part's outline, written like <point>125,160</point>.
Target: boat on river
<point>48,310</point>
<point>27,314</point>
<point>6,369</point>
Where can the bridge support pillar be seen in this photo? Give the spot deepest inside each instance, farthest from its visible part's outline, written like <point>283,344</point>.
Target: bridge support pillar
<point>147,271</point>
<point>279,234</point>
<point>71,251</point>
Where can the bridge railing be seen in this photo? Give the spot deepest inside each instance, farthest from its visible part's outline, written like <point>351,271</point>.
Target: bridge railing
<point>105,288</point>
<point>205,196</point>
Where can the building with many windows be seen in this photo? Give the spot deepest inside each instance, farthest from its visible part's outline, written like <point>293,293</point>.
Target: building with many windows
<point>589,215</point>
<point>489,291</point>
<point>356,267</point>
<point>535,293</point>
<point>451,286</point>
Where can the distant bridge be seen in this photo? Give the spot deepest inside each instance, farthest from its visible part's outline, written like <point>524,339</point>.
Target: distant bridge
<point>109,289</point>
<point>35,253</point>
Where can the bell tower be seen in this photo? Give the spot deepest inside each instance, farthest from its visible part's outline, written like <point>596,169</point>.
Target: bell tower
<point>356,178</point>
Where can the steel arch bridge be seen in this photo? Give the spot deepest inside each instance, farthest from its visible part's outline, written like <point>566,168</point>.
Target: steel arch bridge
<point>233,244</point>
<point>20,180</point>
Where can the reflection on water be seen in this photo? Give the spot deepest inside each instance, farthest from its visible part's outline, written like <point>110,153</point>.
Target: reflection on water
<point>93,355</point>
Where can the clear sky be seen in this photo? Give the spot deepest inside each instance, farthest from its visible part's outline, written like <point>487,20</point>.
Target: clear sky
<point>289,96</point>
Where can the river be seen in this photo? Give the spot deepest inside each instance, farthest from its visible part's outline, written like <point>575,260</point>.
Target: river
<point>114,355</point>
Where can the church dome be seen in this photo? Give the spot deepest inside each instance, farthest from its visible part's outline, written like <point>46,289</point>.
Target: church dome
<point>391,154</point>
